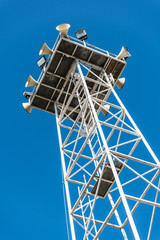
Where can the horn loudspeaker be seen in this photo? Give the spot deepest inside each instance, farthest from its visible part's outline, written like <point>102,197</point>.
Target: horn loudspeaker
<point>120,83</point>
<point>105,111</point>
<point>45,50</point>
<point>31,82</point>
<point>123,53</point>
<point>28,107</point>
<point>63,29</point>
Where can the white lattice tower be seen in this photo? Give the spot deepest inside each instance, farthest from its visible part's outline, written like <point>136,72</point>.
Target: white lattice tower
<point>111,174</point>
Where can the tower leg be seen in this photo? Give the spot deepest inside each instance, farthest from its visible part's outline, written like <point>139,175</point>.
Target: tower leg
<point>65,182</point>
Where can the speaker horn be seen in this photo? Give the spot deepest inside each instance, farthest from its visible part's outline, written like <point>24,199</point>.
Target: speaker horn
<point>31,82</point>
<point>28,107</point>
<point>106,110</point>
<point>120,83</point>
<point>123,53</point>
<point>63,29</point>
<point>45,50</point>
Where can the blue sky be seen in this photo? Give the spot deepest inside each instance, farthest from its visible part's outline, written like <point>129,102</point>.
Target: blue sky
<point>31,199</point>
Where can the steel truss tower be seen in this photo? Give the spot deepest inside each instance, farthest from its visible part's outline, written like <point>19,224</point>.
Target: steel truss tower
<point>111,174</point>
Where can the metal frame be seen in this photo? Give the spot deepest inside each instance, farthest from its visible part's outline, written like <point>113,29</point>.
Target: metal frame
<point>92,142</point>
<point>110,171</point>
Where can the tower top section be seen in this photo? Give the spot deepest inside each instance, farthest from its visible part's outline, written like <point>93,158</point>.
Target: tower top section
<point>53,83</point>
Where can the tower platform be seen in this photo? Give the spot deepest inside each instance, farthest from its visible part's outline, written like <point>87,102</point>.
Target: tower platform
<point>54,82</point>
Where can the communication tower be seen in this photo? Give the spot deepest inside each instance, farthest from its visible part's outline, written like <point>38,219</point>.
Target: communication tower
<point>111,174</point>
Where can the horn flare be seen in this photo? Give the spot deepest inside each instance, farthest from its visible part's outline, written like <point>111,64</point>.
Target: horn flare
<point>106,110</point>
<point>45,50</point>
<point>123,53</point>
<point>63,29</point>
<point>120,83</point>
<point>28,107</point>
<point>31,82</point>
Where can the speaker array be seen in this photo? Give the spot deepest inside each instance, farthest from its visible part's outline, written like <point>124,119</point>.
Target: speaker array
<point>63,29</point>
<point>31,82</point>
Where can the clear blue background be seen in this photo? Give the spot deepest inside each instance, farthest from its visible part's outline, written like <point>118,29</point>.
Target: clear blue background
<point>31,199</point>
